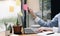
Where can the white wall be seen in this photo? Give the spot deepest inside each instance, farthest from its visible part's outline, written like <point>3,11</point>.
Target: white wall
<point>34,4</point>
<point>4,9</point>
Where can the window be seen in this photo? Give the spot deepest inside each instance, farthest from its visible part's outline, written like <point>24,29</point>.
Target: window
<point>9,10</point>
<point>45,7</point>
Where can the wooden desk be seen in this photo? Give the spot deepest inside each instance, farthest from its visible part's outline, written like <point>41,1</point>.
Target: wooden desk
<point>28,35</point>
<point>2,33</point>
<point>24,35</point>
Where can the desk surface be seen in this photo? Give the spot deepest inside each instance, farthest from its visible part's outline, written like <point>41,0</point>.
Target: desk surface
<point>24,35</point>
<point>4,33</point>
<point>28,35</point>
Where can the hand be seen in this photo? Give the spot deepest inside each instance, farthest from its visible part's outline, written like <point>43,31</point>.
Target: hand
<point>44,29</point>
<point>31,12</point>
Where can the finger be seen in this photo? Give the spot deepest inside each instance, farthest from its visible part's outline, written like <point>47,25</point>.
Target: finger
<point>40,30</point>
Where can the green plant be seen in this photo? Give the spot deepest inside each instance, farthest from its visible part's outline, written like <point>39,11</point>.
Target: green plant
<point>17,23</point>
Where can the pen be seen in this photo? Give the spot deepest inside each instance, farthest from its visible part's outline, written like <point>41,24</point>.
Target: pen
<point>50,33</point>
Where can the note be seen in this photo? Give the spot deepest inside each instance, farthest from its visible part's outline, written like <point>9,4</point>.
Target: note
<point>11,8</point>
<point>25,7</point>
<point>18,2</point>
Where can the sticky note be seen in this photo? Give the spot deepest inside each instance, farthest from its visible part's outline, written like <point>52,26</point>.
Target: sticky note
<point>25,7</point>
<point>11,8</point>
<point>18,2</point>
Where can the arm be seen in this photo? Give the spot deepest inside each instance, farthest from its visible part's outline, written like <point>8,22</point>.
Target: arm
<point>54,21</point>
<point>37,19</point>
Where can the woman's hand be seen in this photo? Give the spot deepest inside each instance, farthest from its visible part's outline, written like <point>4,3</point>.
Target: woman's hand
<point>44,29</point>
<point>31,12</point>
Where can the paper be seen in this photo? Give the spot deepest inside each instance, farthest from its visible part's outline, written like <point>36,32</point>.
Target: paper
<point>43,33</point>
<point>11,8</point>
<point>18,2</point>
<point>25,7</point>
<point>56,34</point>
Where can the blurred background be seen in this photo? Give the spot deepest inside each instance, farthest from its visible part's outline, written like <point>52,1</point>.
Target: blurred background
<point>11,11</point>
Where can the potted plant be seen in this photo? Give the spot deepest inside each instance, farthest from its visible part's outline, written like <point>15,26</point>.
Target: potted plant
<point>17,28</point>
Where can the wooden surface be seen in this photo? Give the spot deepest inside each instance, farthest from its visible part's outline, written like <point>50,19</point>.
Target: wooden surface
<point>24,35</point>
<point>28,35</point>
<point>2,33</point>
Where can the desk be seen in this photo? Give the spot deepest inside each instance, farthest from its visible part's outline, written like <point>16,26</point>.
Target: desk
<point>28,35</point>
<point>3,34</point>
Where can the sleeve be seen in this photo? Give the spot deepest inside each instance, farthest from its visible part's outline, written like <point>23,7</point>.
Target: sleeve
<point>54,22</point>
<point>37,19</point>
<point>40,21</point>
